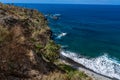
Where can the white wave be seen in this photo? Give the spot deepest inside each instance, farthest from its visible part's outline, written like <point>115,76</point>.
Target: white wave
<point>103,64</point>
<point>58,15</point>
<point>64,46</point>
<point>61,35</point>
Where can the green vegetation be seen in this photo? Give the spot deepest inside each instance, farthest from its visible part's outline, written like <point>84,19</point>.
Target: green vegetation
<point>38,47</point>
<point>66,68</point>
<point>52,51</point>
<point>3,33</point>
<point>73,74</point>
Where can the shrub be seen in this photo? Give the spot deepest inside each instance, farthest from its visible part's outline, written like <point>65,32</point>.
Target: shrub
<point>38,46</point>
<point>51,51</point>
<point>3,34</point>
<point>73,74</point>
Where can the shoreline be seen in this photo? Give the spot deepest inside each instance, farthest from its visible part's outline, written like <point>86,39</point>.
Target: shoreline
<point>80,67</point>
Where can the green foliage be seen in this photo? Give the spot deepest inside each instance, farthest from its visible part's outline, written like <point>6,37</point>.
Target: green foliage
<point>66,68</point>
<point>32,40</point>
<point>38,46</point>
<point>3,34</point>
<point>76,74</point>
<point>52,51</point>
<point>73,74</point>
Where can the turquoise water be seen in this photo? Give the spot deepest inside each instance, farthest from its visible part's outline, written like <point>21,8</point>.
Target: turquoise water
<point>91,31</point>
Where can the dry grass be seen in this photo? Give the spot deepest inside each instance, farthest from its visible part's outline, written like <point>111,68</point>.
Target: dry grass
<point>3,33</point>
<point>65,76</point>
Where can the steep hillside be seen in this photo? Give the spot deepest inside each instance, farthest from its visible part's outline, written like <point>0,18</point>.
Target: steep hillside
<point>26,49</point>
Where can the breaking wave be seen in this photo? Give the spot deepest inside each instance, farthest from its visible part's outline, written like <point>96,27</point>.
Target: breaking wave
<point>61,35</point>
<point>102,64</point>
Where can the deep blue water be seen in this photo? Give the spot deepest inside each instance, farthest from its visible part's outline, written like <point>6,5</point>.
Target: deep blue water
<point>93,31</point>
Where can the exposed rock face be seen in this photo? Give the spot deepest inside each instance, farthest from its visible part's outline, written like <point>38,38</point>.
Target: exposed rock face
<point>26,49</point>
<point>23,36</point>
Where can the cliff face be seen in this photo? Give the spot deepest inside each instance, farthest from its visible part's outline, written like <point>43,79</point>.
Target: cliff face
<point>24,37</point>
<point>26,49</point>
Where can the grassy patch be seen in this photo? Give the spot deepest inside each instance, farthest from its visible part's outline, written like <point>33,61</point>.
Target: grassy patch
<point>52,51</point>
<point>66,68</point>
<point>3,34</point>
<point>38,46</point>
<point>73,74</point>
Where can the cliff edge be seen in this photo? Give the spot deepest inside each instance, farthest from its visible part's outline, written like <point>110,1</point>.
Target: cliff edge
<point>24,37</point>
<point>26,49</point>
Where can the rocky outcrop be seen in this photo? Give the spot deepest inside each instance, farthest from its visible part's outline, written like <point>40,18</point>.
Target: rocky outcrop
<point>26,49</point>
<point>24,34</point>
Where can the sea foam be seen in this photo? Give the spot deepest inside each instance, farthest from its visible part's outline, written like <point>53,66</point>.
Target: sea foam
<point>61,35</point>
<point>102,64</point>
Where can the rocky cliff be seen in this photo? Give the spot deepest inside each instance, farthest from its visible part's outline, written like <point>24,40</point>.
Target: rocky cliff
<point>24,37</point>
<point>26,49</point>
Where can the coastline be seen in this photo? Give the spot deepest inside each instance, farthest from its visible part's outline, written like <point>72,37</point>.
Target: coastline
<point>34,54</point>
<point>80,67</point>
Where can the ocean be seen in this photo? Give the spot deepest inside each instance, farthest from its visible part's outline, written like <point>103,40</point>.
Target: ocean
<point>88,34</point>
